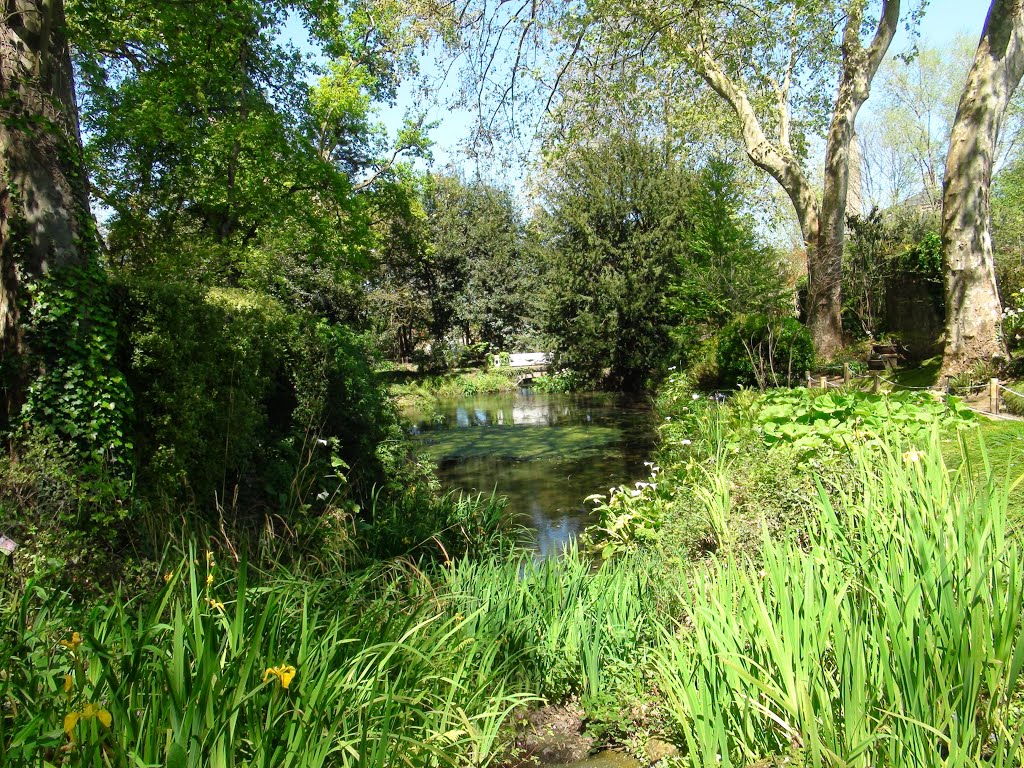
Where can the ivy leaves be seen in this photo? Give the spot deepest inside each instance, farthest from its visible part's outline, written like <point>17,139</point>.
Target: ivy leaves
<point>79,394</point>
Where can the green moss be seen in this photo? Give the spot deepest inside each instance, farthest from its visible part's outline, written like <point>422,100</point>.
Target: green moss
<point>520,442</point>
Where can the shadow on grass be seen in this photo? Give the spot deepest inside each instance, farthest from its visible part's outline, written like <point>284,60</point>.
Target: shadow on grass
<point>925,374</point>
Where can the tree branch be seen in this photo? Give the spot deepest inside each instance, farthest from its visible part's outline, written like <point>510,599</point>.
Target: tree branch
<point>777,161</point>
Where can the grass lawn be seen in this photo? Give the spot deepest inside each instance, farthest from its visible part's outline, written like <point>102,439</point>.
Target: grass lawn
<point>1003,443</point>
<point>924,375</point>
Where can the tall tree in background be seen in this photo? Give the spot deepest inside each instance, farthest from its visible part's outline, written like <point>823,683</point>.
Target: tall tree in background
<point>788,69</point>
<point>973,312</point>
<point>906,137</point>
<point>722,271</point>
<point>49,253</point>
<point>614,218</point>
<point>223,151</point>
<point>714,55</point>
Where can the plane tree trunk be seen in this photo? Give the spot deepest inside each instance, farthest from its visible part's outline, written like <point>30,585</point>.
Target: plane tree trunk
<point>973,311</point>
<point>822,224</point>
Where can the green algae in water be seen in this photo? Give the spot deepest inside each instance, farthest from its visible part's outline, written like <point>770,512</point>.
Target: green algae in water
<point>545,453</point>
<point>521,442</point>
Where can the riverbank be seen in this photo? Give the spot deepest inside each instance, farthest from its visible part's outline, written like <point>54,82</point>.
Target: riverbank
<point>803,555</point>
<point>421,391</point>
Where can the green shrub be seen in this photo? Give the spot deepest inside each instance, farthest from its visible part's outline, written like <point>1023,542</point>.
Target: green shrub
<point>974,378</point>
<point>213,394</point>
<point>560,381</point>
<point>246,406</point>
<point>1014,403</point>
<point>765,352</point>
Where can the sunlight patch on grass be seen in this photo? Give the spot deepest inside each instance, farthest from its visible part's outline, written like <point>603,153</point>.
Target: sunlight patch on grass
<point>924,375</point>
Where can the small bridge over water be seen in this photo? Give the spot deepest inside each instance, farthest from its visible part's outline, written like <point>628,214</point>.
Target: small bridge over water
<point>527,362</point>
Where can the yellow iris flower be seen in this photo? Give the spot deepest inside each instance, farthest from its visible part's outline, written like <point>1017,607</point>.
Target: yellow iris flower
<point>88,712</point>
<point>73,643</point>
<point>284,673</point>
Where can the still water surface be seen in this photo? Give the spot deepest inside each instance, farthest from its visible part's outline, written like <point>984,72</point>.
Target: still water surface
<point>545,452</point>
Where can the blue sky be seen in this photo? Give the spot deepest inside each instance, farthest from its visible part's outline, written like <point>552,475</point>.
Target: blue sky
<point>943,21</point>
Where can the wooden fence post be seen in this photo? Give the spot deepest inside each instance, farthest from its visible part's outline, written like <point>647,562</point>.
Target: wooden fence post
<point>993,396</point>
<point>847,375</point>
<point>808,379</point>
<point>876,383</point>
<point>823,382</point>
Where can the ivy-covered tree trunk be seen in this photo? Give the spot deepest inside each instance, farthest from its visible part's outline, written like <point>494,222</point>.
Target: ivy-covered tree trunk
<point>973,311</point>
<point>56,327</point>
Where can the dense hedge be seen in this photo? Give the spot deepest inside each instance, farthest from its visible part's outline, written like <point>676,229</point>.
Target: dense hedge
<point>234,390</point>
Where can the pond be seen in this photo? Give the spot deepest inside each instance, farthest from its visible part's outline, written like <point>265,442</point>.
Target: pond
<point>545,452</point>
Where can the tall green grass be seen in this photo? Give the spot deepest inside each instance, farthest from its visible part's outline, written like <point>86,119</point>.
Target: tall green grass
<point>381,677</point>
<point>884,630</point>
<point>887,634</point>
<point>569,629</point>
<point>397,666</point>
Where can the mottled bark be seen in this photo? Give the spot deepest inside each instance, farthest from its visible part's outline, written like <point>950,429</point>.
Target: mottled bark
<point>823,225</point>
<point>825,261</point>
<point>44,209</point>
<point>973,312</point>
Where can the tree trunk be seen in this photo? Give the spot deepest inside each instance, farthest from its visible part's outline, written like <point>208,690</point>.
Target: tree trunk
<point>45,222</point>
<point>973,311</point>
<point>823,226</point>
<point>825,262</point>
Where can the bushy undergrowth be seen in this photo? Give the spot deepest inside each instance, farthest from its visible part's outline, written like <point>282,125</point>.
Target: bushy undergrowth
<point>252,422</point>
<point>560,381</point>
<point>858,604</point>
<point>229,384</point>
<point>764,352</point>
<point>813,422</point>
<point>754,460</point>
<point>423,390</point>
